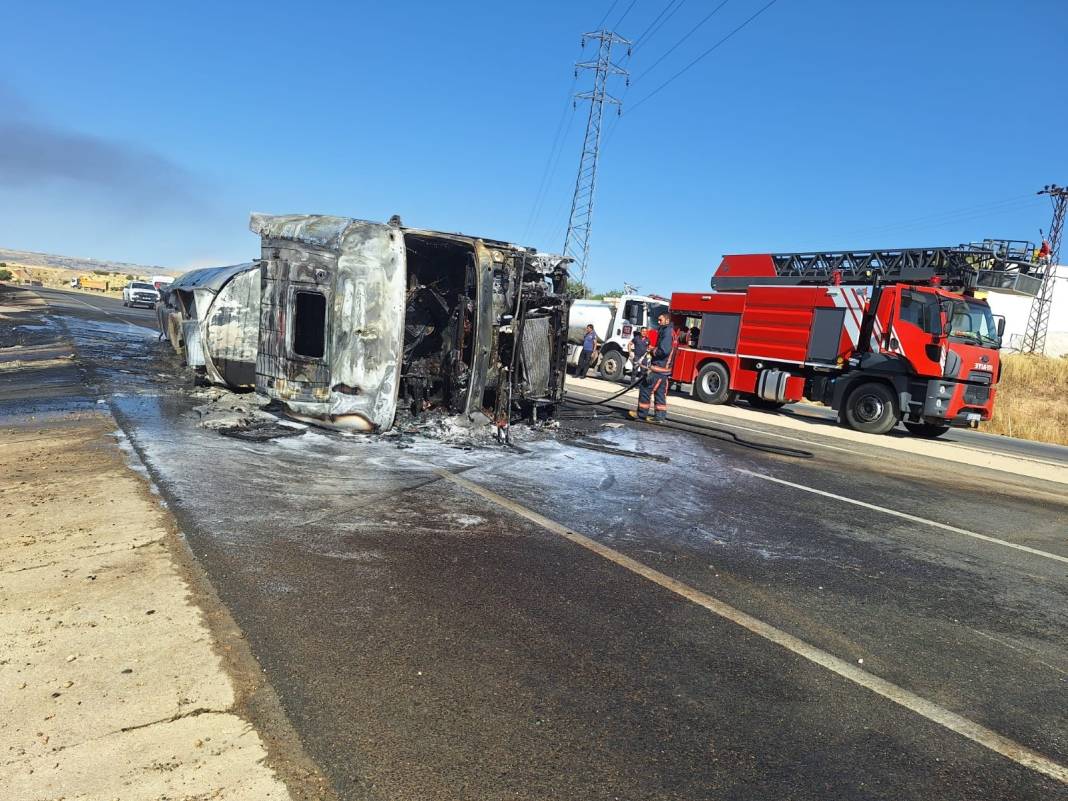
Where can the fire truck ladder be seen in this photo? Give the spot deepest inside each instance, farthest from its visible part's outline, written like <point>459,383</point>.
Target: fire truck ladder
<point>959,267</point>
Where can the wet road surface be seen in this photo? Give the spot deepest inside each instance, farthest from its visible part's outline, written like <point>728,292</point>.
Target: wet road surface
<point>97,307</point>
<point>428,642</point>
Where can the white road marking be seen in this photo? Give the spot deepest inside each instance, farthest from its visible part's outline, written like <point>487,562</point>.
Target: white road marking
<point>100,310</point>
<point>975,732</point>
<point>904,515</point>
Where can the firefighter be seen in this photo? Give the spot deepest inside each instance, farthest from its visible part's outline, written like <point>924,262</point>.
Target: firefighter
<point>1044,253</point>
<point>652,393</point>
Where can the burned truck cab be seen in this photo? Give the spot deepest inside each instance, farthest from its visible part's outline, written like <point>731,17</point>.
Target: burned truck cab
<point>361,321</point>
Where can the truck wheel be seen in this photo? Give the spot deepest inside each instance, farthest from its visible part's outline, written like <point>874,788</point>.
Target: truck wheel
<point>762,403</point>
<point>612,365</point>
<point>870,408</point>
<point>125,304</point>
<point>712,384</point>
<point>926,430</point>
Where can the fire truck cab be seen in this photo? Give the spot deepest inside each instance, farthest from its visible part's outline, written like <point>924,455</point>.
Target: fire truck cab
<point>880,336</point>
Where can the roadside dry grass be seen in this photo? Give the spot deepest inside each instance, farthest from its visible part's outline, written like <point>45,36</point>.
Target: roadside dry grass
<point>1032,399</point>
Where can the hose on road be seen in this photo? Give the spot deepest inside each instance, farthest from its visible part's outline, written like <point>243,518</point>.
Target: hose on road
<point>710,431</point>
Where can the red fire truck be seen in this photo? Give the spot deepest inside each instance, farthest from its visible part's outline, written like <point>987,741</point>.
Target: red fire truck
<point>880,336</point>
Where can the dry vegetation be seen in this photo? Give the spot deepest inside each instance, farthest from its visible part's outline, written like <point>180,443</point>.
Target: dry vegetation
<point>1032,399</point>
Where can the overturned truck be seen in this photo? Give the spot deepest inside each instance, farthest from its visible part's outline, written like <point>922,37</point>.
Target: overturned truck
<point>362,321</point>
<point>211,317</point>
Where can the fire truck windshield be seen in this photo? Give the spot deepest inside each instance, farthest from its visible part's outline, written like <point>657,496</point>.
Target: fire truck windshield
<point>972,321</point>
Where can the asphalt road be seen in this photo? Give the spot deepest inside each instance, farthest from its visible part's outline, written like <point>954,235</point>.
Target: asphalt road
<point>728,623</point>
<point>980,440</point>
<point>94,306</point>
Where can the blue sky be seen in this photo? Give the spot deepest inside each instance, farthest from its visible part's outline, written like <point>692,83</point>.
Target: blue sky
<point>147,132</point>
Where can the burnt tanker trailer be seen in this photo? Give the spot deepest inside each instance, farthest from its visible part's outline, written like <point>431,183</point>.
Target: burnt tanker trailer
<point>211,317</point>
<point>362,321</point>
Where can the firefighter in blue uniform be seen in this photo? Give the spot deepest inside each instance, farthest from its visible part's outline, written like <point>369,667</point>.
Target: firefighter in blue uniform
<point>652,393</point>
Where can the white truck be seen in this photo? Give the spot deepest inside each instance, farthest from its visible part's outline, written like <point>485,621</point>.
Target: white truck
<point>139,293</point>
<point>614,320</point>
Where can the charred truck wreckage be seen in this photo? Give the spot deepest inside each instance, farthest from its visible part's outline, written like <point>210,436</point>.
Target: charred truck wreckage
<point>212,317</point>
<point>361,323</point>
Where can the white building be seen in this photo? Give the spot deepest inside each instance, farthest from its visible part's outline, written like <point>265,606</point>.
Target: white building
<point>1017,308</point>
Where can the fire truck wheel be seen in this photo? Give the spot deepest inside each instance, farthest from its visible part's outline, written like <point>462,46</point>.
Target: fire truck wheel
<point>870,408</point>
<point>612,365</point>
<point>926,430</point>
<point>712,384</point>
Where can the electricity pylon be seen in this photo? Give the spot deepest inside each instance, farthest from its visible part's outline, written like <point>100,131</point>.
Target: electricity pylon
<point>577,241</point>
<point>1038,320</point>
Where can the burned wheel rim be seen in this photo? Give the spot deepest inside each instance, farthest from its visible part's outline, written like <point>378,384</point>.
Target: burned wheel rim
<point>869,408</point>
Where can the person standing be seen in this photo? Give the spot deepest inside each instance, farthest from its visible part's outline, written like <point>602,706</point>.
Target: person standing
<point>590,347</point>
<point>652,394</point>
<point>636,349</point>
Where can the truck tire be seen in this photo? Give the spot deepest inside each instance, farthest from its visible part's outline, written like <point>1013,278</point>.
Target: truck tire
<point>612,364</point>
<point>713,384</point>
<point>926,430</point>
<point>870,408</point>
<point>763,404</point>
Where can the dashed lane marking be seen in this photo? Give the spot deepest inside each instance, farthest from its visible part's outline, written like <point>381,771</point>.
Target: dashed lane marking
<point>905,515</point>
<point>973,731</point>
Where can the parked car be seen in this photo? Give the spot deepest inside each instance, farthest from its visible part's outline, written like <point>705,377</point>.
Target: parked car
<point>139,293</point>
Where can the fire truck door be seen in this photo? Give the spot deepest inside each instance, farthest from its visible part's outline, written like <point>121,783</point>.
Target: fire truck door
<point>917,319</point>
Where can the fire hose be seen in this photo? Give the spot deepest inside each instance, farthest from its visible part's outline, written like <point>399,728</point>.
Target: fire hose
<point>712,432</point>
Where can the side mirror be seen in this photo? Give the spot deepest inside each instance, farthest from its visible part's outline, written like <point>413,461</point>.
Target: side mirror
<point>1001,327</point>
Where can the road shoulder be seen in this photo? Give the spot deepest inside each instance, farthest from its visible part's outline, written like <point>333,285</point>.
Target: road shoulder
<point>121,676</point>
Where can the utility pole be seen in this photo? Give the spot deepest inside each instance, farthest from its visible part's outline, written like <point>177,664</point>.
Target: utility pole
<point>577,241</point>
<point>1038,320</point>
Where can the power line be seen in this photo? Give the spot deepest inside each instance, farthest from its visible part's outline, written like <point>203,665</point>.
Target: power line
<point>648,33</point>
<point>609,11</point>
<point>951,221</point>
<point>620,20</point>
<point>542,185</point>
<point>704,54</point>
<point>952,215</point>
<point>688,34</point>
<point>577,240</point>
<point>552,175</point>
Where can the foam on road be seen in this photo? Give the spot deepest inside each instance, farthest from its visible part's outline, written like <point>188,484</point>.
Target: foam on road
<point>948,451</point>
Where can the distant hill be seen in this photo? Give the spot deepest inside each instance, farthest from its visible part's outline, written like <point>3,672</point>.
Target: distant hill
<point>28,258</point>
